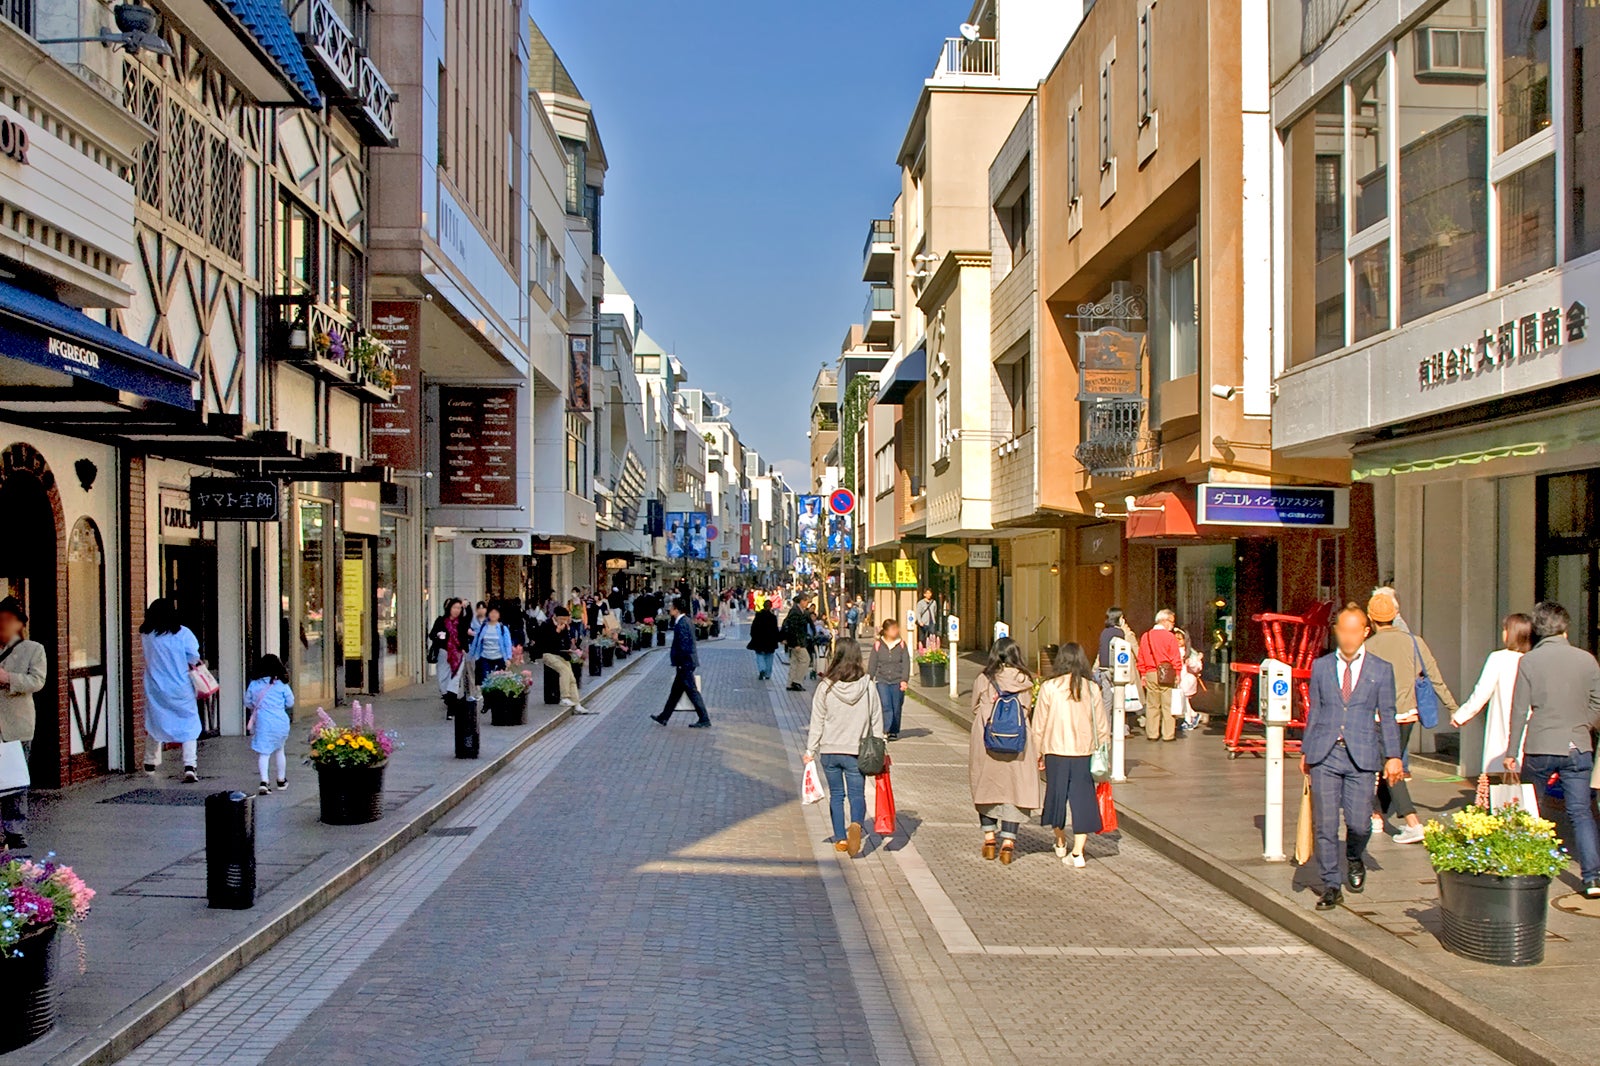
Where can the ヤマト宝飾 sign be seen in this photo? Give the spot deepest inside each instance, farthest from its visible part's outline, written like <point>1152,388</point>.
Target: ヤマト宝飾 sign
<point>1304,506</point>
<point>232,499</point>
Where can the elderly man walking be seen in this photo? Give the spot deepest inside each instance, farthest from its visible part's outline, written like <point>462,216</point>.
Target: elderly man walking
<point>23,669</point>
<point>1160,667</point>
<point>1555,706</point>
<point>797,639</point>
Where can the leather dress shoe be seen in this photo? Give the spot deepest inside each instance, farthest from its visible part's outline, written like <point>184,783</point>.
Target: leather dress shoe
<point>1331,898</point>
<point>1356,878</point>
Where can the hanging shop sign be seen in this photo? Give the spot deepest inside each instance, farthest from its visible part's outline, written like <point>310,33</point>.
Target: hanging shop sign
<point>176,519</point>
<point>396,426</point>
<point>1517,341</point>
<point>578,395</point>
<point>478,442</point>
<point>232,499</point>
<point>950,555</point>
<point>895,574</point>
<point>1302,506</point>
<point>1108,364</point>
<point>980,556</point>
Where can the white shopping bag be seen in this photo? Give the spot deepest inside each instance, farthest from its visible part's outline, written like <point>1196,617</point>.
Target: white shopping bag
<point>1522,795</point>
<point>205,683</point>
<point>13,767</point>
<point>811,787</point>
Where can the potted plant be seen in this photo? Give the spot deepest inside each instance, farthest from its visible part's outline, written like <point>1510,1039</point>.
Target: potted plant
<point>350,761</point>
<point>608,650</point>
<point>506,694</point>
<point>1494,872</point>
<point>36,898</point>
<point>702,626</point>
<point>932,662</point>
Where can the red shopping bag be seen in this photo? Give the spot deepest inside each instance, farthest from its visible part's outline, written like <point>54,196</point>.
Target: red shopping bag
<point>883,821</point>
<point>1108,809</point>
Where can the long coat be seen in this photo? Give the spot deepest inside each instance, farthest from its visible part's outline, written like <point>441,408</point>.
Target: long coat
<point>27,666</point>
<point>1012,779</point>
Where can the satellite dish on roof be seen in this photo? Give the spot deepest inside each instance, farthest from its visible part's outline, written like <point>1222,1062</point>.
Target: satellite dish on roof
<point>969,30</point>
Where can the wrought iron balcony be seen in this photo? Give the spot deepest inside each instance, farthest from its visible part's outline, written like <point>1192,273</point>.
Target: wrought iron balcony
<point>1119,444</point>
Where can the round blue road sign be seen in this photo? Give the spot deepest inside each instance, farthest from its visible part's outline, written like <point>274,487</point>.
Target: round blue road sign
<point>842,501</point>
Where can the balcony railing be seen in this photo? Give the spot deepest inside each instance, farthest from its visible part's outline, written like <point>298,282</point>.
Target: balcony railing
<point>19,13</point>
<point>332,33</point>
<point>879,234</point>
<point>962,57</point>
<point>328,345</point>
<point>1119,444</point>
<point>878,255</point>
<point>375,102</point>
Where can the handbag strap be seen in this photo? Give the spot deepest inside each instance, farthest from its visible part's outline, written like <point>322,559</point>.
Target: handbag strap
<point>1422,664</point>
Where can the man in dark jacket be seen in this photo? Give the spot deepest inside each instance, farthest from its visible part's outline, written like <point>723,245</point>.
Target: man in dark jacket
<point>797,639</point>
<point>764,640</point>
<point>1554,707</point>
<point>552,645</point>
<point>684,662</point>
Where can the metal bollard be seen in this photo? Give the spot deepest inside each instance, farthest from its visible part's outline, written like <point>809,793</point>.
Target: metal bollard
<point>466,720</point>
<point>231,850</point>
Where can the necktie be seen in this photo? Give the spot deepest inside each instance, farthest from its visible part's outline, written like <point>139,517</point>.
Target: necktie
<point>1344,686</point>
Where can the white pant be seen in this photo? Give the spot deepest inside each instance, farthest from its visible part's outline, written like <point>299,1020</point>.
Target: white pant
<point>152,752</point>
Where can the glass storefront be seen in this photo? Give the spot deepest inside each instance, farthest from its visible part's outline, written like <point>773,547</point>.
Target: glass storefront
<point>313,676</point>
<point>1569,550</point>
<point>386,576</point>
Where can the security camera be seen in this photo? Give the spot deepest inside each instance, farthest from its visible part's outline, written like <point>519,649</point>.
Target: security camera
<point>1224,392</point>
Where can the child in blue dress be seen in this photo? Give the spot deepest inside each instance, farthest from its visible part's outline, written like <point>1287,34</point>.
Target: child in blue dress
<point>268,699</point>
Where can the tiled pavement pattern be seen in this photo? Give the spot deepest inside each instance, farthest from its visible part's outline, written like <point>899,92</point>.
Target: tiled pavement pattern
<point>653,895</point>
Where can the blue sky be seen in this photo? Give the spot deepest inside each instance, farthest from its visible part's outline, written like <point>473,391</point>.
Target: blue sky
<point>749,145</point>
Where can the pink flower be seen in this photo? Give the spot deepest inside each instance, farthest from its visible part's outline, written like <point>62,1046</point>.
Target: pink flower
<point>32,906</point>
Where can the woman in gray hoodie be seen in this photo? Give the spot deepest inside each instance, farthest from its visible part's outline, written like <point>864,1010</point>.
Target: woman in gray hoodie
<point>844,709</point>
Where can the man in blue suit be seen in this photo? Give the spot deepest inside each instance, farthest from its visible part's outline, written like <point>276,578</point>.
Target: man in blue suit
<point>684,661</point>
<point>1350,735</point>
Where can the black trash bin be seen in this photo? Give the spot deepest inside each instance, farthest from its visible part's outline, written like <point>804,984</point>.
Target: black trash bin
<point>552,686</point>
<point>231,850</point>
<point>466,720</point>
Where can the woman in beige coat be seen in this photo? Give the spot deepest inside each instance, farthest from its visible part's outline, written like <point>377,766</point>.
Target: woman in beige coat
<point>1005,788</point>
<point>1069,722</point>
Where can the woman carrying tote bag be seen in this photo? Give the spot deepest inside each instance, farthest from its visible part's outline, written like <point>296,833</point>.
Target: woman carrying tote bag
<point>844,712</point>
<point>1069,723</point>
<point>1492,694</point>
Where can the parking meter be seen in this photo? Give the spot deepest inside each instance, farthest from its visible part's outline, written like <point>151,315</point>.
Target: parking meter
<point>953,629</point>
<point>1273,694</point>
<point>1001,630</point>
<point>911,626</point>
<point>1121,662</point>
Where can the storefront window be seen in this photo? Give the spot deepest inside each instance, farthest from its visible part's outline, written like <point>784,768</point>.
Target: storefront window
<point>386,563</point>
<point>1583,100</point>
<point>1524,70</point>
<point>312,638</point>
<point>86,596</point>
<point>1371,271</point>
<point>1444,160</point>
<point>1528,221</point>
<point>1317,152</point>
<point>1569,550</point>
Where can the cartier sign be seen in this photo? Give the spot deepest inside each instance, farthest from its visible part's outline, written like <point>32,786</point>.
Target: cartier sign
<point>1513,342</point>
<point>13,140</point>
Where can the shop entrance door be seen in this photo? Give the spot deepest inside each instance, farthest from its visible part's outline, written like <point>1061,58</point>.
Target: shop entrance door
<point>1569,550</point>
<point>28,572</point>
<point>189,579</point>
<point>357,636</point>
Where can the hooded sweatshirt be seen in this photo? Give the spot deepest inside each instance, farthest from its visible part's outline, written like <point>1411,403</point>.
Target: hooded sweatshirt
<point>842,712</point>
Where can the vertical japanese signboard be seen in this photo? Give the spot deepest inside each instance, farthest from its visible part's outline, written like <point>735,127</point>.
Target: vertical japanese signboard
<point>397,425</point>
<point>478,446</point>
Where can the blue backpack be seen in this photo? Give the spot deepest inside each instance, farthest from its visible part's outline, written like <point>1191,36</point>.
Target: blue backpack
<point>1006,732</point>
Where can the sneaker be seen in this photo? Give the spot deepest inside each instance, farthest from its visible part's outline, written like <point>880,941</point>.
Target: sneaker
<point>1411,834</point>
<point>150,769</point>
<point>263,789</point>
<point>1379,826</point>
<point>700,725</point>
<point>1078,862</point>
<point>578,708</point>
<point>283,786</point>
<point>1061,851</point>
<point>1591,890</point>
<point>189,775</point>
<point>567,703</point>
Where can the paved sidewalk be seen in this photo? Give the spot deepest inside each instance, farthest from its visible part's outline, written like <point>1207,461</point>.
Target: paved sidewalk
<point>631,894</point>
<point>1197,806</point>
<point>152,943</point>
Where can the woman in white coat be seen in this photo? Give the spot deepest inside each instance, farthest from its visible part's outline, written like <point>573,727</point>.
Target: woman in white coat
<point>1493,692</point>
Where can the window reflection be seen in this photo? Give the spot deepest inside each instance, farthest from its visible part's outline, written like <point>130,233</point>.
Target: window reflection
<point>1528,221</point>
<point>1369,156</point>
<point>1524,70</point>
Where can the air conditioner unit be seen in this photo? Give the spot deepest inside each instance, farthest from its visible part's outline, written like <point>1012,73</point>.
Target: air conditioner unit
<point>1448,51</point>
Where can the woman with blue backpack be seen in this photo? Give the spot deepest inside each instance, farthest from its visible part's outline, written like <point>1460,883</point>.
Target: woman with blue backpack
<point>1003,760</point>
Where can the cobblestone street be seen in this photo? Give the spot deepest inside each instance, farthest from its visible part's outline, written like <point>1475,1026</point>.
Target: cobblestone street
<point>626,893</point>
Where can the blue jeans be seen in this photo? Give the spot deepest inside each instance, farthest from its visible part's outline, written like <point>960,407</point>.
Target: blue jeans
<point>1574,768</point>
<point>764,663</point>
<point>842,773</point>
<point>893,700</point>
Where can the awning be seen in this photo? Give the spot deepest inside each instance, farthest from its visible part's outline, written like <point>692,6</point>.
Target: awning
<point>1162,516</point>
<point>38,330</point>
<point>908,373</point>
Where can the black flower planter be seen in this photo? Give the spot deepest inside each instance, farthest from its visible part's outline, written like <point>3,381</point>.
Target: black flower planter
<point>623,651</point>
<point>1498,920</point>
<point>716,629</point>
<point>595,661</point>
<point>351,795</point>
<point>933,674</point>
<point>505,709</point>
<point>28,1007</point>
<point>702,632</point>
<point>661,638</point>
<point>608,656</point>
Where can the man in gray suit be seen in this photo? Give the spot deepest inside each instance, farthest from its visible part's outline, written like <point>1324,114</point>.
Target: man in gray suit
<point>1555,706</point>
<point>23,670</point>
<point>1350,734</point>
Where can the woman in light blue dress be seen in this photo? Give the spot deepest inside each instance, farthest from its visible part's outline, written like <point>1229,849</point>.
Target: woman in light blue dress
<point>267,700</point>
<point>171,713</point>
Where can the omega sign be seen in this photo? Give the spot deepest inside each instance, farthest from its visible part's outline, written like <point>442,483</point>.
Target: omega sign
<point>1512,342</point>
<point>13,140</point>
